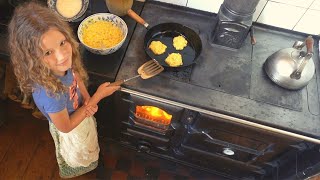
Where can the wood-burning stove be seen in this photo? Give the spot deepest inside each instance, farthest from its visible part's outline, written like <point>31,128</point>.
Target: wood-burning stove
<point>231,118</point>
<point>201,139</point>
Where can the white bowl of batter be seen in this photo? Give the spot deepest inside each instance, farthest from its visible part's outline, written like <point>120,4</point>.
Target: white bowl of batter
<point>69,10</point>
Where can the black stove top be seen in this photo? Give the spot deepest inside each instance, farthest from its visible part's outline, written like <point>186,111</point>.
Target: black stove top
<point>223,80</point>
<point>224,69</point>
<point>183,75</point>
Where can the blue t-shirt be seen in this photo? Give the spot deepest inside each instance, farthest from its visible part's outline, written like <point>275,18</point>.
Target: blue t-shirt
<point>53,104</point>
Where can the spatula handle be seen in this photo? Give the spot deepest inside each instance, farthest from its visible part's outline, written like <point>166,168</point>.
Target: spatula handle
<point>117,83</point>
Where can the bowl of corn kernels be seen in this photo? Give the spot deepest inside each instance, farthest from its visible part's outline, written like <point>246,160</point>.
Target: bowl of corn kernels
<point>102,33</point>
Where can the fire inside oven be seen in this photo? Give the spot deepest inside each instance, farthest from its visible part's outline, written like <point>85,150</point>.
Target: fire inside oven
<point>153,116</point>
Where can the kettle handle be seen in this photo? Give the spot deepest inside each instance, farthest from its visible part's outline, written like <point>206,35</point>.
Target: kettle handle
<point>309,44</point>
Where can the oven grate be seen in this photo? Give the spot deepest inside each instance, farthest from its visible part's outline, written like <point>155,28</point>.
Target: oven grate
<point>148,120</point>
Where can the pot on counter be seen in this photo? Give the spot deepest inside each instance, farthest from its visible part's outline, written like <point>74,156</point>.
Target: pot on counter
<point>292,68</point>
<point>119,7</point>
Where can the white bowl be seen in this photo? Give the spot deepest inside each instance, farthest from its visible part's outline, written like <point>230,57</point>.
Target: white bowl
<point>116,20</point>
<point>85,4</point>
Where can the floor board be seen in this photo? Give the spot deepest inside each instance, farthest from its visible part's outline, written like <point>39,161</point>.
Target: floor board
<point>42,162</point>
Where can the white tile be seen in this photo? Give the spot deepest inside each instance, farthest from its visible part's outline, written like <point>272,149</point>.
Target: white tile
<point>315,5</point>
<point>281,15</point>
<point>177,2</point>
<point>205,5</point>
<point>259,9</point>
<point>307,23</point>
<point>299,3</point>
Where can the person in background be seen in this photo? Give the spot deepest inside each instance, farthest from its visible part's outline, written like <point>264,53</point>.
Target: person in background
<point>47,64</point>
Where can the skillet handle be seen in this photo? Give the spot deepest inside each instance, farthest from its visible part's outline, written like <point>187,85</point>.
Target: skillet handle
<point>137,18</point>
<point>117,83</point>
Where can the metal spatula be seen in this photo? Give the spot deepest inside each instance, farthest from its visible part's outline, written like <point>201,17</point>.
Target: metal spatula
<point>145,71</point>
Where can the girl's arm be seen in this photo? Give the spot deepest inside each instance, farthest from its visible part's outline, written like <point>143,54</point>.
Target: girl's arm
<point>66,123</point>
<point>83,89</point>
<point>91,110</point>
<point>103,91</point>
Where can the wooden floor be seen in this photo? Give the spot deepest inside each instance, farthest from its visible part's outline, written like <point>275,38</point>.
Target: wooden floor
<point>26,146</point>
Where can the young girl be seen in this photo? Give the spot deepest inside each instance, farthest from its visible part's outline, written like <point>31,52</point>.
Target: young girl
<point>47,64</point>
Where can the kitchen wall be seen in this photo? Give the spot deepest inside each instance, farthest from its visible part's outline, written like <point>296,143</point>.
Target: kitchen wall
<point>297,15</point>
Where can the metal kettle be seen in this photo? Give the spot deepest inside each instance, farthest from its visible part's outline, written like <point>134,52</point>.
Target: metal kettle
<point>292,68</point>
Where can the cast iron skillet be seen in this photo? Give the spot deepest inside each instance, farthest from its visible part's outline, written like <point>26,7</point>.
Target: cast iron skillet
<point>165,33</point>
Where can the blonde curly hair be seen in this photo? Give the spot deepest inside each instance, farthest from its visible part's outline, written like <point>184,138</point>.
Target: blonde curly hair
<point>29,22</point>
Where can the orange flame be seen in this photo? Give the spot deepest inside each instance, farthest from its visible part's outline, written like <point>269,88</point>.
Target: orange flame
<point>153,114</point>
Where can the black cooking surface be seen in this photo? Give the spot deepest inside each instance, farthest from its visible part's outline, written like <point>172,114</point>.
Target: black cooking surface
<point>224,69</point>
<point>182,75</point>
<point>225,80</point>
<point>264,90</point>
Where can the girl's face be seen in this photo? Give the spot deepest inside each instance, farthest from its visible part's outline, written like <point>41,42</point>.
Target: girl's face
<point>57,51</point>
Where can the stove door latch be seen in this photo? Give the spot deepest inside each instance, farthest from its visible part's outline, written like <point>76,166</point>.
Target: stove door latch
<point>206,133</point>
<point>144,146</point>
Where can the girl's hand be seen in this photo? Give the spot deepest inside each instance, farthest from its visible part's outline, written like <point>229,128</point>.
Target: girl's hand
<point>105,90</point>
<point>91,110</point>
<point>86,100</point>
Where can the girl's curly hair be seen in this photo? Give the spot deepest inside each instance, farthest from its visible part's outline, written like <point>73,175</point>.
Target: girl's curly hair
<point>29,22</point>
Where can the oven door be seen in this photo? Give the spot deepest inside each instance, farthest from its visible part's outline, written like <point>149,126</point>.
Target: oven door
<point>228,147</point>
<point>147,124</point>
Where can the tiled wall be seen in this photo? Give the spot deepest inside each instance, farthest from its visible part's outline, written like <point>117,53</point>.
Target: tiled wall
<point>297,15</point>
